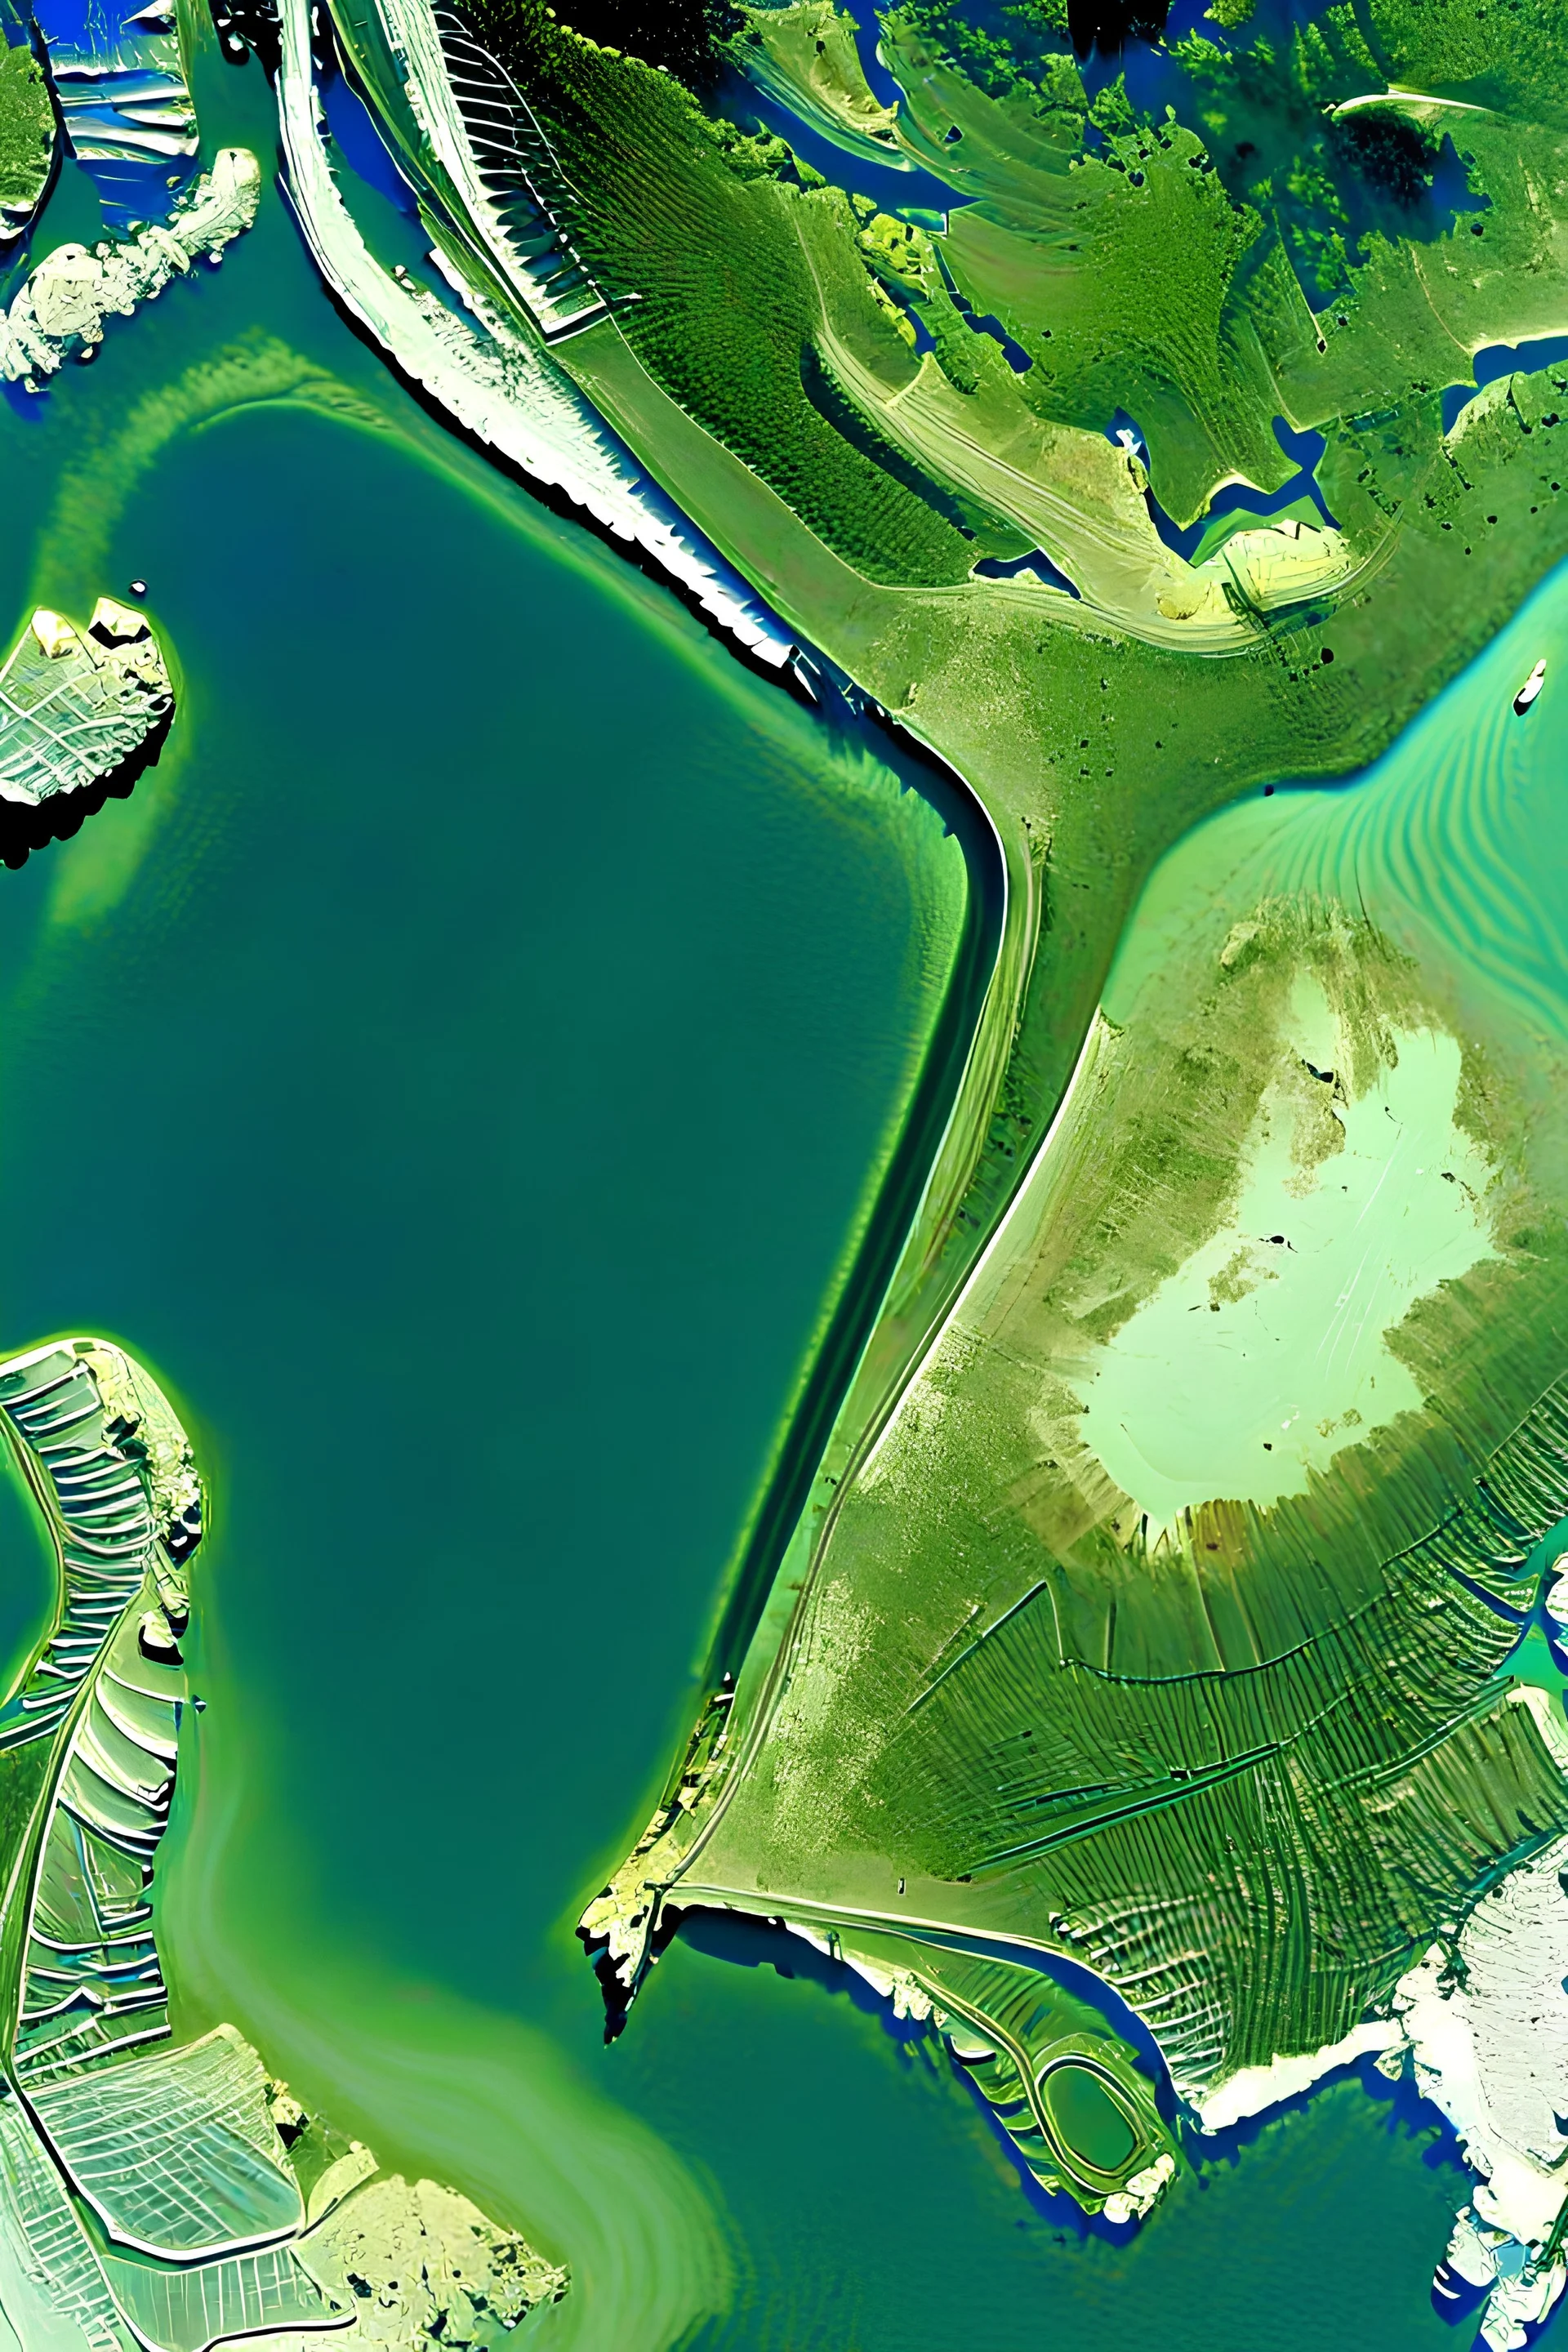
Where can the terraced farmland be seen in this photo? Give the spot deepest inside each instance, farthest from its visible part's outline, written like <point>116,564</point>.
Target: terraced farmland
<point>177,2191</point>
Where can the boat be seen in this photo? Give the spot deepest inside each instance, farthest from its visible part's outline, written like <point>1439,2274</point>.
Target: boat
<point>1530,689</point>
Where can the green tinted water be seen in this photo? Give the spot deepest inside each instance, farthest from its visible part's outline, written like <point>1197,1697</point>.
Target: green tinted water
<point>1288,1354</point>
<point>1087,2117</point>
<point>1456,842</point>
<point>457,1069</point>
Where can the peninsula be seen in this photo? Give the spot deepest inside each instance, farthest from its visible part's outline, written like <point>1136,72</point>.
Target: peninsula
<point>1136,1682</point>
<point>170,2193</point>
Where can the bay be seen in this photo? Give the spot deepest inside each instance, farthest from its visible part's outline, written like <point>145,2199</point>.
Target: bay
<point>457,1070</point>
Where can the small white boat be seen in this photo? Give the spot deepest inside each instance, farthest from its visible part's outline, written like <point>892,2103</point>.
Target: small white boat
<point>1530,689</point>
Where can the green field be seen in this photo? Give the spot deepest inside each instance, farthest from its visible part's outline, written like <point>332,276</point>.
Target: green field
<point>1196,1735</point>
<point>1137,1737</point>
<point>27,132</point>
<point>805,55</point>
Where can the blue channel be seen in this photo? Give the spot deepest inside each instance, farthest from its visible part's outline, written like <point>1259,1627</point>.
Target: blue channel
<point>1304,449</point>
<point>1495,360</point>
<point>991,567</point>
<point>893,188</point>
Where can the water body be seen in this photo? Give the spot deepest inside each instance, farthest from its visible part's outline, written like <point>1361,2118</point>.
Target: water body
<point>1038,563</point>
<point>868,42</point>
<point>1496,359</point>
<point>112,76</point>
<point>1457,841</point>
<point>457,1069</point>
<point>486,1048</point>
<point>1233,498</point>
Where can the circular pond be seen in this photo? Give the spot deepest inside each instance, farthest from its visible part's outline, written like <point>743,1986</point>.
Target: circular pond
<point>1087,2119</point>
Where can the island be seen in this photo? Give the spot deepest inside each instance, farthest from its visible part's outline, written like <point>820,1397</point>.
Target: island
<point>59,312</point>
<point>169,2193</point>
<point>82,713</point>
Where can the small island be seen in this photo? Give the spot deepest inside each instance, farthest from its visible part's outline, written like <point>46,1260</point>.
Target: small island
<point>81,709</point>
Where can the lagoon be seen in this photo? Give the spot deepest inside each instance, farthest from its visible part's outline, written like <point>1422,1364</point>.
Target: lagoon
<point>457,1070</point>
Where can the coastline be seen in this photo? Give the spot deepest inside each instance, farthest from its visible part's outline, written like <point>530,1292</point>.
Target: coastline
<point>359,2063</point>
<point>1512,2230</point>
<point>498,387</point>
<point>1256,2089</point>
<point>1261,2087</point>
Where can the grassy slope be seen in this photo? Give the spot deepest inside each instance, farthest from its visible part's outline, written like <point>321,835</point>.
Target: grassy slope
<point>1124,293</point>
<point>1173,300</point>
<point>1508,54</point>
<point>808,57</point>
<point>26,127</point>
<point>1091,753</point>
<point>1282,1660</point>
<point>1105,752</point>
<point>700,233</point>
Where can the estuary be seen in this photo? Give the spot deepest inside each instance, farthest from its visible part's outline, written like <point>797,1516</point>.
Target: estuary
<point>465,1066</point>
<point>517,1186</point>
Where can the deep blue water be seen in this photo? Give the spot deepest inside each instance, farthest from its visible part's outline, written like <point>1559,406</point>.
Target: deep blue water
<point>1496,359</point>
<point>1306,448</point>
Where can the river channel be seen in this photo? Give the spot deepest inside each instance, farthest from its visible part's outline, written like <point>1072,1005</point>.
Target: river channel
<point>461,1069</point>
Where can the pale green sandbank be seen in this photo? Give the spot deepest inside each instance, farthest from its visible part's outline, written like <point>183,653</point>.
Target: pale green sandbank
<point>1457,844</point>
<point>864,2199</point>
<point>1258,1361</point>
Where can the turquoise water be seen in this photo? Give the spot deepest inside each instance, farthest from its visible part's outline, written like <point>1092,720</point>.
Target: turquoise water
<point>456,1070</point>
<point>1456,842</point>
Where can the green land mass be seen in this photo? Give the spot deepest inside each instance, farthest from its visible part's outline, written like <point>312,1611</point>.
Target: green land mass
<point>27,136</point>
<point>1039,1678</point>
<point>160,2193</point>
<point>805,55</point>
<point>1092,738</point>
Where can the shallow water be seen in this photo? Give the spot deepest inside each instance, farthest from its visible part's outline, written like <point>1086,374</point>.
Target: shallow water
<point>456,1070</point>
<point>1295,1291</point>
<point>1456,841</point>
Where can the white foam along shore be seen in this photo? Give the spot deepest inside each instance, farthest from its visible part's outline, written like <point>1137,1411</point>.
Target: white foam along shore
<point>1486,2020</point>
<point>494,382</point>
<point>63,306</point>
<point>1256,2088</point>
<point>124,96</point>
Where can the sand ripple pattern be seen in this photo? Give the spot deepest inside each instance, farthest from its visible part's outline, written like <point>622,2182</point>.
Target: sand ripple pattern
<point>1454,843</point>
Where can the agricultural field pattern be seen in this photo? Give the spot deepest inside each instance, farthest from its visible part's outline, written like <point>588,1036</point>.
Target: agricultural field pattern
<point>1142,1665</point>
